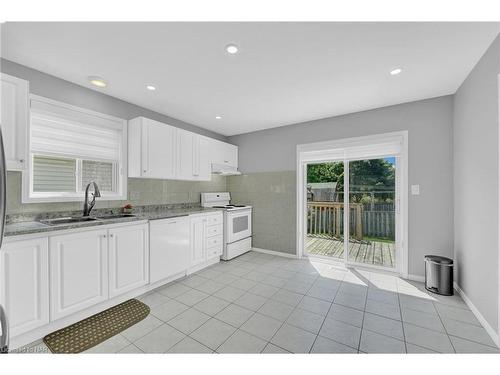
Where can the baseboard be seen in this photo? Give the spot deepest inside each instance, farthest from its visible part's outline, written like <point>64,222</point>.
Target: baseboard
<point>274,252</point>
<point>493,334</point>
<point>418,278</point>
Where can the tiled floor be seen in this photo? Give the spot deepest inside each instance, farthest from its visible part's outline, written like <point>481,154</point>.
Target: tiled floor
<point>260,303</point>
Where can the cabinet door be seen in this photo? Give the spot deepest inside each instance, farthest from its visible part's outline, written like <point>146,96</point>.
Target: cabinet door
<point>169,247</point>
<point>158,150</point>
<point>204,163</point>
<point>128,258</point>
<point>78,271</point>
<point>24,284</point>
<point>198,252</point>
<point>186,155</point>
<point>14,120</point>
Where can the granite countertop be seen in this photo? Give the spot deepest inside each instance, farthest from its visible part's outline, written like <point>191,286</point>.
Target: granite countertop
<point>17,228</point>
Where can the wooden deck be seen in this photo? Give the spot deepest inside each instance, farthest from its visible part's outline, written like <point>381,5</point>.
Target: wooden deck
<point>368,252</point>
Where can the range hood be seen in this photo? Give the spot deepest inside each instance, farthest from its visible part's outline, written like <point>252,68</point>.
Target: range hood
<point>224,170</point>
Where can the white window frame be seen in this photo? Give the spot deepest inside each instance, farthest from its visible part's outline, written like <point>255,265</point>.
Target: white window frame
<point>119,175</point>
<point>331,150</point>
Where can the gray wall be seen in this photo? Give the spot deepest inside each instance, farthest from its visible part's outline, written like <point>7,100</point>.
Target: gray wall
<point>429,125</point>
<point>475,142</point>
<point>58,89</point>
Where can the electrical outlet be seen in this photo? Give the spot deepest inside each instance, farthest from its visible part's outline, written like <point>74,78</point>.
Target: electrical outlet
<point>415,189</point>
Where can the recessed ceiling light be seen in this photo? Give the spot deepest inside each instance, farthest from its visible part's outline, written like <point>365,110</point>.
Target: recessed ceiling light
<point>218,117</point>
<point>396,71</point>
<point>151,87</point>
<point>232,49</point>
<point>97,81</point>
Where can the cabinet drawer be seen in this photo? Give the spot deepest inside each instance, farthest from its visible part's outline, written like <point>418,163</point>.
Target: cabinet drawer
<point>214,252</point>
<point>214,241</point>
<point>214,219</point>
<point>214,230</point>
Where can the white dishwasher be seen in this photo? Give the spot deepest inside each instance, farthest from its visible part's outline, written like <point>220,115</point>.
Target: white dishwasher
<point>168,247</point>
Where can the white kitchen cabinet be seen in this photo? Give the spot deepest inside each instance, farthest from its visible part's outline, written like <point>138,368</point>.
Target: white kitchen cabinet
<point>78,271</point>
<point>24,284</point>
<point>151,149</point>
<point>206,237</point>
<point>128,258</point>
<point>223,153</point>
<point>198,235</point>
<point>169,247</point>
<point>14,117</point>
<point>192,157</point>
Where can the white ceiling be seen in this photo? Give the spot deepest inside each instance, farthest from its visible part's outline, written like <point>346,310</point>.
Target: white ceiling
<point>284,73</point>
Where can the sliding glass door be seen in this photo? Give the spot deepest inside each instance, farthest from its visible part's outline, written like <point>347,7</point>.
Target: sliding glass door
<point>372,198</point>
<point>351,210</point>
<point>325,209</point>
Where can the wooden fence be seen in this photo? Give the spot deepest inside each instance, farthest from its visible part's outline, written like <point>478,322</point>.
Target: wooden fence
<point>327,218</point>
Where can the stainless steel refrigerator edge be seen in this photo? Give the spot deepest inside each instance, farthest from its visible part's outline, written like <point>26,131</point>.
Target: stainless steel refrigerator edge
<point>4,328</point>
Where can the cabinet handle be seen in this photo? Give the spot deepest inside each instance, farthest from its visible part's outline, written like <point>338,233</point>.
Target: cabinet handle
<point>111,235</point>
<point>21,160</point>
<point>226,161</point>
<point>104,236</point>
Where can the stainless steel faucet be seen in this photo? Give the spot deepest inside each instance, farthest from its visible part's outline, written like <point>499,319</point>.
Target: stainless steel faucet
<point>87,207</point>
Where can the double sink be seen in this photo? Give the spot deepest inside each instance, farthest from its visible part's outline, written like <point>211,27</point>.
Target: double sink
<point>83,219</point>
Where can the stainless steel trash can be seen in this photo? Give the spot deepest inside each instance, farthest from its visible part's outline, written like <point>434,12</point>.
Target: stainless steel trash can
<point>439,275</point>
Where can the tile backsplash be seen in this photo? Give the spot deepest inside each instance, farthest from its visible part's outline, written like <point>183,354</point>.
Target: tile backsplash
<point>140,192</point>
<point>273,198</point>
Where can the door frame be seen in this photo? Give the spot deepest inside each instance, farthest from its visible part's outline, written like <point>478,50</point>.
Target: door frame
<point>328,150</point>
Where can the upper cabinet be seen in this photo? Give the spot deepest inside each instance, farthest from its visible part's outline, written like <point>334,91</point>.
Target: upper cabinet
<point>151,149</point>
<point>158,150</point>
<point>224,153</point>
<point>14,117</point>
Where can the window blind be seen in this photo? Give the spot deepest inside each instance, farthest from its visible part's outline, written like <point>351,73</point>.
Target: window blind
<point>53,174</point>
<point>66,131</point>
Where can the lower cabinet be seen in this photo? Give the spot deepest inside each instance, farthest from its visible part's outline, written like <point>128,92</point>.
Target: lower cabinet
<point>78,271</point>
<point>198,248</point>
<point>206,237</point>
<point>24,284</point>
<point>128,258</point>
<point>169,247</point>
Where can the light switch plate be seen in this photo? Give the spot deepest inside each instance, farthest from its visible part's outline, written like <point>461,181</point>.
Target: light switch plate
<point>415,189</point>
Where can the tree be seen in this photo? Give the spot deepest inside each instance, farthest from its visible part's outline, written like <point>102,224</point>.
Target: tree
<point>365,177</point>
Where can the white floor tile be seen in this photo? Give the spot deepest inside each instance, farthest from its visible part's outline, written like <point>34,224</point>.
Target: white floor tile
<point>261,326</point>
<point>423,319</point>
<point>153,299</point>
<point>142,328</point>
<point>209,287</point>
<point>427,338</point>
<point>350,300</point>
<point>456,313</point>
<point>273,349</point>
<point>466,346</point>
<point>189,346</point>
<point>341,332</point>
<point>306,320</point>
<point>188,321</point>
<point>168,310</point>
<point>315,305</point>
<point>287,297</point>
<point>346,315</point>
<point>327,346</point>
<point>211,305</point>
<point>372,342</point>
<point>276,310</point>
<point>173,290</point>
<point>242,342</point>
<point>384,326</point>
<point>192,297</point>
<point>160,340</point>
<point>234,315</point>
<point>468,331</point>
<point>383,309</point>
<point>294,339</point>
<point>213,333</point>
<point>250,301</point>
<point>131,349</point>
<point>229,293</point>
<point>322,293</point>
<point>264,290</point>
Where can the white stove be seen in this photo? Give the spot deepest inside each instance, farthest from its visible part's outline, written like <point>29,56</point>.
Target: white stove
<point>237,223</point>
